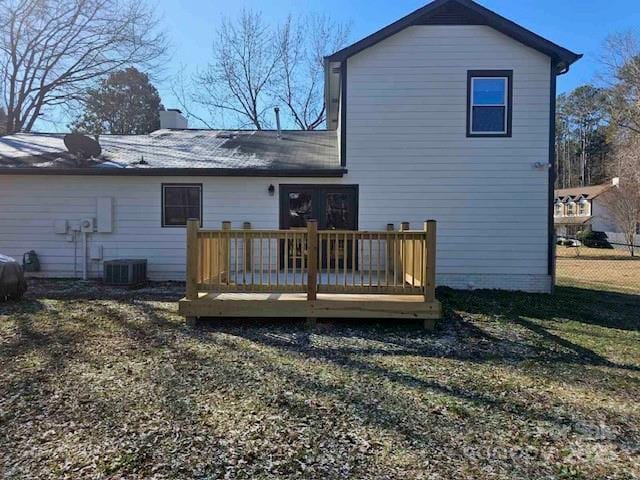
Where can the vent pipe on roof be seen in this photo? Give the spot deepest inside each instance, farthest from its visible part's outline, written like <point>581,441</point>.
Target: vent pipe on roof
<point>277,112</point>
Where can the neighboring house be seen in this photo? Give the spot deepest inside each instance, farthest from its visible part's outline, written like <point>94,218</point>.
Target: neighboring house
<point>584,208</point>
<point>445,114</point>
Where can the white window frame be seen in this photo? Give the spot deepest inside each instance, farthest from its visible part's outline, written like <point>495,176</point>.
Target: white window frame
<point>583,209</point>
<point>505,125</point>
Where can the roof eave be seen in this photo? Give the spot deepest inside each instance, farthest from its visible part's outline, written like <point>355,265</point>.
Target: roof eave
<point>561,56</point>
<point>180,172</point>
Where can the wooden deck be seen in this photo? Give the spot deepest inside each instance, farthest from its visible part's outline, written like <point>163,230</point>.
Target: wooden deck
<point>311,274</point>
<point>296,305</point>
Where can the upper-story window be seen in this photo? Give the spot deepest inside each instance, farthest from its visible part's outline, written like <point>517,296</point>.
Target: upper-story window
<point>489,103</point>
<point>583,207</point>
<point>559,209</point>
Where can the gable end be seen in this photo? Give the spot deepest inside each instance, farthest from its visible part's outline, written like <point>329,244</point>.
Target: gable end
<point>451,14</point>
<point>464,12</point>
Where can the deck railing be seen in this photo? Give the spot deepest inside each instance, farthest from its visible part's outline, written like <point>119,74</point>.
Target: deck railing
<point>312,261</point>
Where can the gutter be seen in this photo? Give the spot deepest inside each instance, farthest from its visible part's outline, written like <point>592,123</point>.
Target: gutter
<point>179,172</point>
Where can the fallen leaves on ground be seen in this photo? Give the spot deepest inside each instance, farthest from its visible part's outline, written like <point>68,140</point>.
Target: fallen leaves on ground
<point>108,383</point>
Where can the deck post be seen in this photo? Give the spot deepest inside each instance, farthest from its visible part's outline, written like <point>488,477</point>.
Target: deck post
<point>247,249</point>
<point>312,259</point>
<point>192,258</point>
<point>404,226</point>
<point>391,250</point>
<point>430,256</point>
<point>226,251</point>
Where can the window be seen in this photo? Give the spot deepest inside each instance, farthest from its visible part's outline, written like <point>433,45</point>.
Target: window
<point>559,209</point>
<point>489,100</point>
<point>583,205</point>
<point>180,202</point>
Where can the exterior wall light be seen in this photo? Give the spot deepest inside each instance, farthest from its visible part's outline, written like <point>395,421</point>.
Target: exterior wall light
<point>271,190</point>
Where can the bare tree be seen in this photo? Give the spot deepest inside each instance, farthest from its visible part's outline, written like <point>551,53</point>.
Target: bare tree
<point>621,62</point>
<point>623,203</point>
<point>51,50</point>
<point>237,81</point>
<point>303,44</point>
<point>623,207</point>
<point>256,66</point>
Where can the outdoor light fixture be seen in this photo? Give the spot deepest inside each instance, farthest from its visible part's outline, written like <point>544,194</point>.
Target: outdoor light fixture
<point>271,190</point>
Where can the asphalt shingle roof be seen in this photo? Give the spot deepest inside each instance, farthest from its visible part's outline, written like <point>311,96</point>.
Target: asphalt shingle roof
<point>180,149</point>
<point>589,192</point>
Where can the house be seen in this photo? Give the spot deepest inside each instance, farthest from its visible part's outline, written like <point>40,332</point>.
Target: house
<point>445,114</point>
<point>585,208</point>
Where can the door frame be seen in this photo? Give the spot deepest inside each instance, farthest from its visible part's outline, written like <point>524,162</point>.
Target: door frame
<point>317,188</point>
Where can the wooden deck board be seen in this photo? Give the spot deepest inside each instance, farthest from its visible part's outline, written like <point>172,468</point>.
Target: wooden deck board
<point>293,305</point>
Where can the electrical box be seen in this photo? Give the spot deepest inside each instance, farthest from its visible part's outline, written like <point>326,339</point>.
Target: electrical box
<point>105,215</point>
<point>95,252</point>
<point>60,226</point>
<point>88,225</point>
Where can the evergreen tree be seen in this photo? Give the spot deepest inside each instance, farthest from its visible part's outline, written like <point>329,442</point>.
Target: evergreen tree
<point>125,103</point>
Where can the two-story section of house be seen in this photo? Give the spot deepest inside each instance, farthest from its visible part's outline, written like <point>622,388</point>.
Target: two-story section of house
<point>445,114</point>
<point>449,112</point>
<point>577,209</point>
<point>589,209</point>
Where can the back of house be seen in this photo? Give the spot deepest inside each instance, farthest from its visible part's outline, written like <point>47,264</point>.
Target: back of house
<point>445,114</point>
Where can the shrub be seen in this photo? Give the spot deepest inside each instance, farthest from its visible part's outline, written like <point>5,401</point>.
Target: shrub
<point>594,239</point>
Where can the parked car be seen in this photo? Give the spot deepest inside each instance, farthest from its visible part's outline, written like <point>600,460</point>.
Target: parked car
<point>595,239</point>
<point>12,282</point>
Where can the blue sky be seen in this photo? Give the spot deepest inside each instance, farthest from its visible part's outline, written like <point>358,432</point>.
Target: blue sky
<point>580,25</point>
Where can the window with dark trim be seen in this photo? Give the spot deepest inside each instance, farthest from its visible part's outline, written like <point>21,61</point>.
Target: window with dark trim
<point>180,202</point>
<point>489,103</point>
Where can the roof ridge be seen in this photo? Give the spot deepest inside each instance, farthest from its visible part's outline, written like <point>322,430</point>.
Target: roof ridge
<point>562,55</point>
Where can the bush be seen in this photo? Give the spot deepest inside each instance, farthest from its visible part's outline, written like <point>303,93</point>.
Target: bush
<point>595,239</point>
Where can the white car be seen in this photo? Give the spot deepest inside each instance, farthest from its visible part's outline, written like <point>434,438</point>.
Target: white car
<point>12,282</point>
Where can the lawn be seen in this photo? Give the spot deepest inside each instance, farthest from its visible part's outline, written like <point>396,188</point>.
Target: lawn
<point>598,269</point>
<point>511,385</point>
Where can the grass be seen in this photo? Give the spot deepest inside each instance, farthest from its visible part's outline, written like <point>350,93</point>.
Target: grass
<point>512,385</point>
<point>598,269</point>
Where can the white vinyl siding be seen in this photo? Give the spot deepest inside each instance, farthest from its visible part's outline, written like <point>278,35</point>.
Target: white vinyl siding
<point>29,205</point>
<point>408,150</point>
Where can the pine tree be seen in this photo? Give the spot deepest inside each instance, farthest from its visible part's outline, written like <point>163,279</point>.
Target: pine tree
<point>125,103</point>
